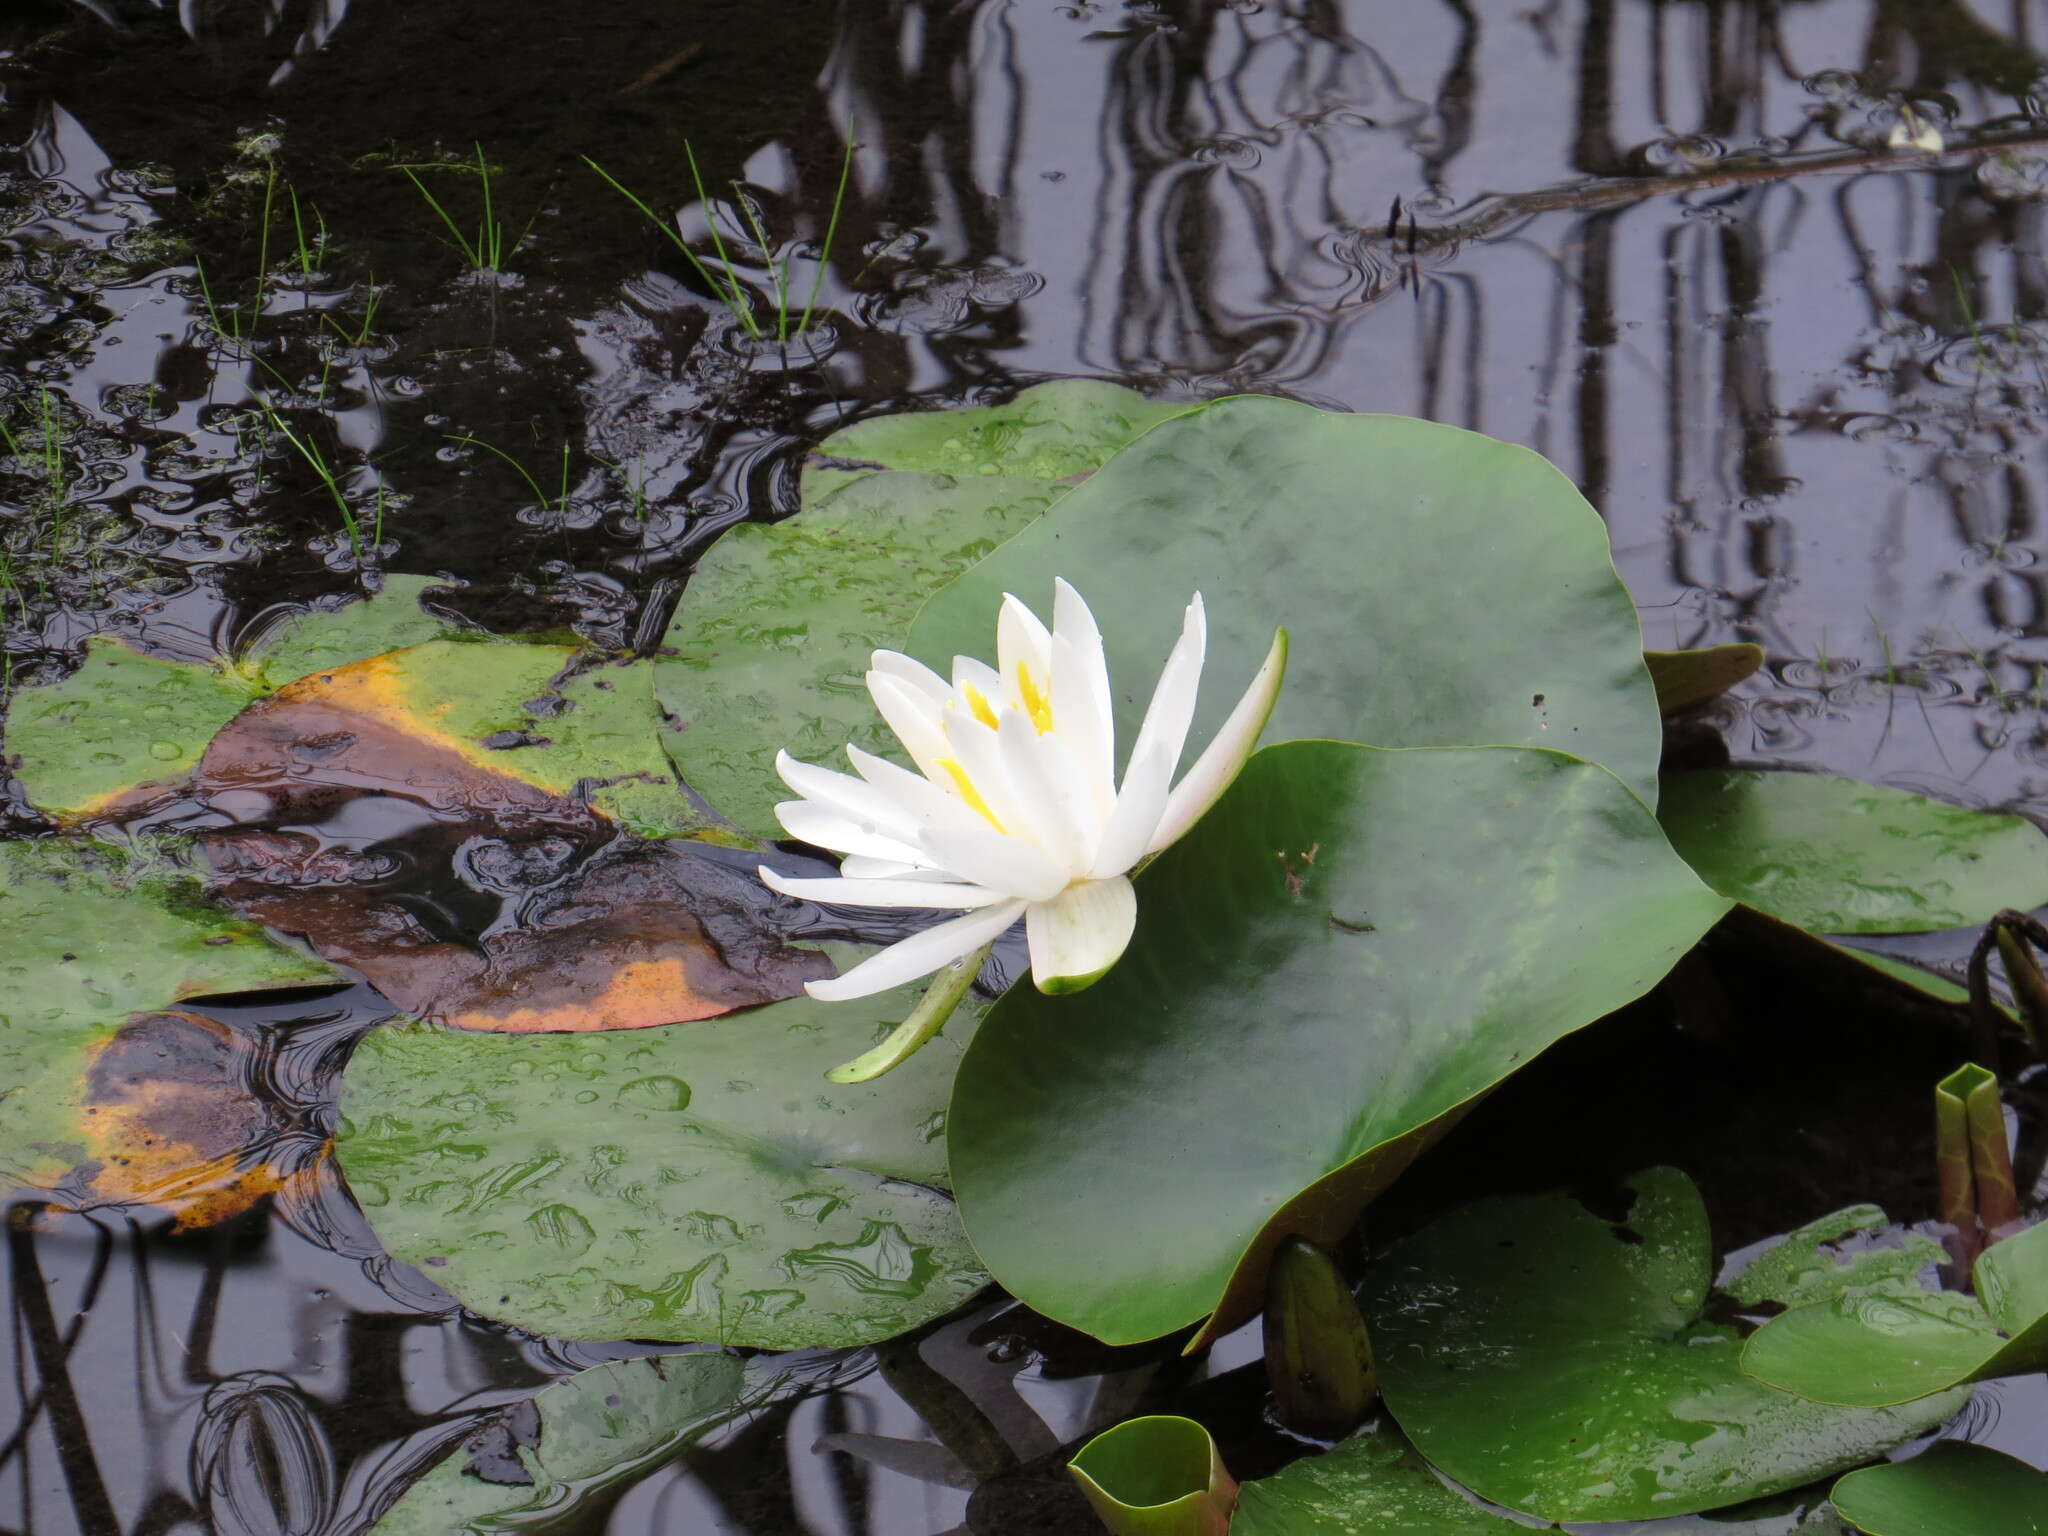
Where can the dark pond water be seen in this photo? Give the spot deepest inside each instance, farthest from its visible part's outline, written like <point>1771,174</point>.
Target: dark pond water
<point>1688,250</point>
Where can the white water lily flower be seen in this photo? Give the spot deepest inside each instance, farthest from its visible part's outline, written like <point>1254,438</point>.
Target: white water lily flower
<point>1015,810</point>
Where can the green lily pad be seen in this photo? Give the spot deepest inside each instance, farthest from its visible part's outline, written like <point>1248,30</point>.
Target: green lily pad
<point>1371,1482</point>
<point>1317,988</point>
<point>326,637</point>
<point>1051,432</point>
<point>1441,588</point>
<point>1558,1363</point>
<point>95,935</point>
<point>579,1437</point>
<point>1950,1489</point>
<point>1884,1338</point>
<point>1836,856</point>
<point>696,1181</point>
<point>127,728</point>
<point>772,638</point>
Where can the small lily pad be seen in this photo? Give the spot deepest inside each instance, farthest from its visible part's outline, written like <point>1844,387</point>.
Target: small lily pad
<point>329,635</point>
<point>1559,1363</point>
<point>575,1440</point>
<point>696,1182</point>
<point>1835,856</point>
<point>1884,1338</point>
<point>97,940</point>
<point>1950,1489</point>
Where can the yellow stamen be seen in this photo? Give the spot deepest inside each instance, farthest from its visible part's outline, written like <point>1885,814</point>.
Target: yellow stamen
<point>968,792</point>
<point>980,708</point>
<point>1036,704</point>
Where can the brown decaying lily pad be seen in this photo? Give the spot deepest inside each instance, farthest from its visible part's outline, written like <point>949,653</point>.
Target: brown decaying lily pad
<point>167,1119</point>
<point>467,896</point>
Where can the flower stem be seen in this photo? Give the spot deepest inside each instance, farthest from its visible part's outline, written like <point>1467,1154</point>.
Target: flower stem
<point>926,1020</point>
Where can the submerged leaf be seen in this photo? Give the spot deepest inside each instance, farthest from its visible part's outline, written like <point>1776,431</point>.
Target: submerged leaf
<point>695,1182</point>
<point>574,1440</point>
<point>1949,1489</point>
<point>1836,856</point>
<point>1360,534</point>
<point>1559,1363</point>
<point>95,940</point>
<point>1687,679</point>
<point>1316,990</point>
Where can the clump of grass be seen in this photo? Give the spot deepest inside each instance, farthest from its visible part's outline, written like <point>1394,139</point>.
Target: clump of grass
<point>363,543</point>
<point>724,282</point>
<point>484,249</point>
<point>560,501</point>
<point>46,452</point>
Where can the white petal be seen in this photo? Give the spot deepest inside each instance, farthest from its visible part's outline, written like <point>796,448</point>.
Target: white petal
<point>913,672</point>
<point>987,857</point>
<point>979,753</point>
<point>978,675</point>
<point>1219,763</point>
<point>1139,806</point>
<point>925,801</point>
<point>912,716</point>
<point>919,955</point>
<point>882,893</point>
<point>1082,705</point>
<point>809,822</point>
<point>1079,934</point>
<point>869,808</point>
<point>1022,640</point>
<point>858,866</point>
<point>1172,708</point>
<point>1049,791</point>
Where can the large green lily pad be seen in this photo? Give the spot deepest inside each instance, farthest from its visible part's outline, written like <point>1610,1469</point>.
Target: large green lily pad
<point>1372,1482</point>
<point>1559,1363</point>
<point>93,936</point>
<point>1317,988</point>
<point>1836,856</point>
<point>1440,588</point>
<point>577,1438</point>
<point>1883,1338</point>
<point>1950,1489</point>
<point>699,1181</point>
<point>1051,432</point>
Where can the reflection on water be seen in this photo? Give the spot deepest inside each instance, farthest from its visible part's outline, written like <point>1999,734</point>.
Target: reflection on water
<point>1707,257</point>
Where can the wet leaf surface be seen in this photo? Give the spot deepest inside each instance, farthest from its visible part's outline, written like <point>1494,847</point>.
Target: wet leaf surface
<point>578,1437</point>
<point>699,1182</point>
<point>1881,1337</point>
<point>1949,1489</point>
<point>1837,856</point>
<point>1358,533</point>
<point>1558,1362</point>
<point>127,729</point>
<point>773,634</point>
<point>1372,1482</point>
<point>103,1099</point>
<point>1315,991</point>
<point>122,731</point>
<point>1054,432</point>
